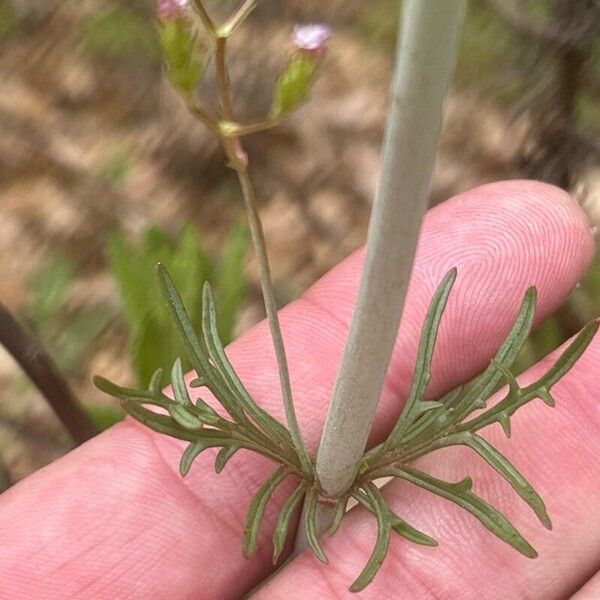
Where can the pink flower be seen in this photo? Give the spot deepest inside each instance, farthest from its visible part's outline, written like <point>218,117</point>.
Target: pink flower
<point>312,37</point>
<point>172,9</point>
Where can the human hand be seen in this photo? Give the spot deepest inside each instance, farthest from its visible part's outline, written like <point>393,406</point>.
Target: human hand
<point>113,519</point>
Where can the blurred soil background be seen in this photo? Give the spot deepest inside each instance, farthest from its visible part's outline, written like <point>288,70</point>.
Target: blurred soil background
<point>97,153</point>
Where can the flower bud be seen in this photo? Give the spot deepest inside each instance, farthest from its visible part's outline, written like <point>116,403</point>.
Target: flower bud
<point>294,85</point>
<point>182,53</point>
<point>172,10</point>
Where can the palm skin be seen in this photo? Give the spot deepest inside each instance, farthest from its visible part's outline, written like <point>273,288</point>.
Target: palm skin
<point>113,519</point>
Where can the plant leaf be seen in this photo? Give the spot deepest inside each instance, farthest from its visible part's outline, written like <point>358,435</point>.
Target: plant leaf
<point>381,512</point>
<point>193,345</point>
<point>182,321</point>
<point>423,362</point>
<point>340,511</point>
<point>509,472</point>
<point>310,525</point>
<point>223,456</point>
<point>283,521</point>
<point>412,534</point>
<point>460,493</point>
<point>225,369</point>
<point>123,393</point>
<point>178,383</point>
<point>257,508</point>
<point>546,397</point>
<point>155,385</point>
<point>184,417</point>
<point>482,387</point>
<point>156,422</point>
<point>566,360</point>
<point>400,526</point>
<point>189,455</point>
<point>207,413</point>
<point>433,418</point>
<point>540,388</point>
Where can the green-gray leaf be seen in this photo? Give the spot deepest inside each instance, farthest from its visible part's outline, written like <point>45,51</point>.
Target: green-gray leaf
<point>184,417</point>
<point>155,385</point>
<point>217,354</point>
<point>381,512</point>
<point>567,359</point>
<point>156,422</point>
<point>310,525</point>
<point>182,321</point>
<point>485,384</point>
<point>423,363</point>
<point>189,455</point>
<point>123,393</point>
<point>460,493</point>
<point>206,412</point>
<point>412,534</point>
<point>400,526</point>
<point>178,383</point>
<point>505,468</point>
<point>223,457</point>
<point>257,508</point>
<point>283,521</point>
<point>340,511</point>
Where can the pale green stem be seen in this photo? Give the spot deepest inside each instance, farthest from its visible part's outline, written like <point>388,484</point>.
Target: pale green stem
<point>238,18</point>
<point>426,56</point>
<point>241,129</point>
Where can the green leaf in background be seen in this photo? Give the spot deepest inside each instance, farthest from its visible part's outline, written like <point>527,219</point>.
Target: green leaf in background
<point>149,349</point>
<point>230,288</point>
<point>104,415</point>
<point>8,19</point>
<point>153,342</point>
<point>119,33</point>
<point>48,288</point>
<point>66,331</point>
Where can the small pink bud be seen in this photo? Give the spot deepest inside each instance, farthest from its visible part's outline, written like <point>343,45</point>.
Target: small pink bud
<point>172,9</point>
<point>312,37</point>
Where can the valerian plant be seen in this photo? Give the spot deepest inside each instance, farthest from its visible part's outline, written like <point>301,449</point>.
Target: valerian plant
<point>423,426</point>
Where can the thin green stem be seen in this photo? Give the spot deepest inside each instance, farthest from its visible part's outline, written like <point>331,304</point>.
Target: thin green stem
<point>271,310</point>
<point>241,129</point>
<point>207,21</point>
<point>266,450</point>
<point>204,117</point>
<point>237,19</point>
<point>223,77</point>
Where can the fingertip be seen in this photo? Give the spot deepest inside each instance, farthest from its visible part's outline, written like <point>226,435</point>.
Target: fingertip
<point>542,202</point>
